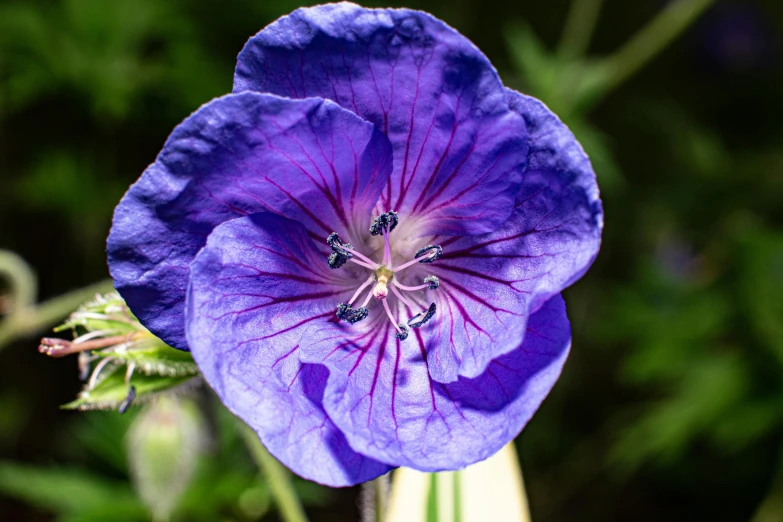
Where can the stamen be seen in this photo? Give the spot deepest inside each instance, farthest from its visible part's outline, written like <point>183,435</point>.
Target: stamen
<point>400,297</point>
<point>361,256</point>
<point>131,396</point>
<point>94,377</point>
<point>336,260</point>
<point>391,318</point>
<point>384,223</point>
<point>367,299</point>
<point>422,317</point>
<point>383,276</point>
<point>348,314</point>
<point>128,400</point>
<point>365,265</point>
<point>387,257</point>
<point>429,253</point>
<point>337,244</point>
<point>343,252</point>
<point>129,373</point>
<point>84,366</point>
<point>432,283</point>
<point>425,255</point>
<point>93,335</point>
<point>402,335</point>
<point>359,291</point>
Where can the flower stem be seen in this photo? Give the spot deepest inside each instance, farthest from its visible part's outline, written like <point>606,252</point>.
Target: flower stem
<point>373,499</point>
<point>652,39</point>
<point>579,27</point>
<point>279,478</point>
<point>24,317</point>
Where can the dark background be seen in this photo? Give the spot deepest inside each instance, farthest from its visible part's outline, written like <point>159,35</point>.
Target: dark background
<point>671,405</point>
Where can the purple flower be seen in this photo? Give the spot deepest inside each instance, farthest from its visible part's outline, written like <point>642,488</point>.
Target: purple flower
<point>364,246</point>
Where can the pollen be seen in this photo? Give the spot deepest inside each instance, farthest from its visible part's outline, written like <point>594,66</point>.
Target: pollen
<point>382,278</point>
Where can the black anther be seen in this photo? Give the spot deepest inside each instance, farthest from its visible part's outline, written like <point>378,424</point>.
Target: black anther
<point>403,334</point>
<point>338,246</point>
<point>393,219</point>
<point>342,310</point>
<point>384,223</point>
<point>348,314</point>
<point>432,252</point>
<point>422,317</point>
<point>432,282</point>
<point>336,260</point>
<point>128,400</point>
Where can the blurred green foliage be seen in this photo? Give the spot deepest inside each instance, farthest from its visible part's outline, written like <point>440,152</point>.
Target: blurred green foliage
<point>673,396</point>
<point>225,484</point>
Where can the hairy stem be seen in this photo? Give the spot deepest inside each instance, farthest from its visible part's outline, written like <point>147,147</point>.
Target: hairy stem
<point>279,478</point>
<point>374,499</point>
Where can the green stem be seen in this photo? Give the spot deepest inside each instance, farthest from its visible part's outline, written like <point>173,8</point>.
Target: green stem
<point>278,477</point>
<point>457,496</point>
<point>579,27</point>
<point>432,499</point>
<point>21,280</point>
<point>26,318</point>
<point>652,39</point>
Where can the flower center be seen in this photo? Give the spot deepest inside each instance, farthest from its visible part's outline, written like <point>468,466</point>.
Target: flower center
<point>382,278</point>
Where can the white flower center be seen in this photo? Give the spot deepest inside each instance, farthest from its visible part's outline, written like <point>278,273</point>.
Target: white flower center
<point>383,276</point>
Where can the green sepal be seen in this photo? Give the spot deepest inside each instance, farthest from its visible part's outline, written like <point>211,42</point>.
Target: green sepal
<point>153,357</point>
<point>110,391</point>
<point>105,313</point>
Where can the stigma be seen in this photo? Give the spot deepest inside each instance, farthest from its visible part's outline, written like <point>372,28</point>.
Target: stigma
<point>382,279</point>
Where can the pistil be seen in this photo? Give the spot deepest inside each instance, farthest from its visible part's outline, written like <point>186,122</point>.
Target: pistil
<point>383,277</point>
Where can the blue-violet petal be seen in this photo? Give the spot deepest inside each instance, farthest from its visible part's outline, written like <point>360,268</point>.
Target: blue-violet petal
<point>308,160</point>
<point>381,396</point>
<point>255,287</point>
<point>492,283</point>
<point>456,144</point>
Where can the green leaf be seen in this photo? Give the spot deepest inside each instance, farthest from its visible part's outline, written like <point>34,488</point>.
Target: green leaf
<point>97,435</point>
<point>109,392</point>
<point>713,390</point>
<point>533,61</point>
<point>568,86</point>
<point>65,490</point>
<point>761,284</point>
<point>215,486</point>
